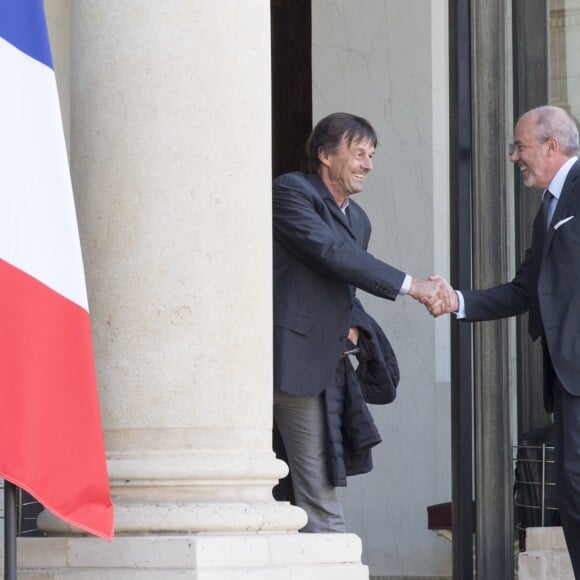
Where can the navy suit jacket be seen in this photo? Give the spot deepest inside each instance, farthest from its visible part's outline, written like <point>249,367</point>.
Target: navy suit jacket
<point>547,284</point>
<point>319,256</point>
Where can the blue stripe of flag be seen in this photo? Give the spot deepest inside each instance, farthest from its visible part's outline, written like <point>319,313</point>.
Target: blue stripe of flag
<point>22,24</point>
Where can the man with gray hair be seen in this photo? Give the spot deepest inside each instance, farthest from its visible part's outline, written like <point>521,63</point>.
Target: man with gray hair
<point>547,285</point>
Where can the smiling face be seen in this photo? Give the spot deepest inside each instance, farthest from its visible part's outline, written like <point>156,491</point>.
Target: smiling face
<point>344,169</point>
<point>532,156</point>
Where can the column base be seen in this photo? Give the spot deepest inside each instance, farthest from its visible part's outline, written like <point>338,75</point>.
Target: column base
<point>192,518</point>
<point>281,556</point>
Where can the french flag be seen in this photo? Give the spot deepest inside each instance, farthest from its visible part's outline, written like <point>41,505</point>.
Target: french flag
<point>51,441</point>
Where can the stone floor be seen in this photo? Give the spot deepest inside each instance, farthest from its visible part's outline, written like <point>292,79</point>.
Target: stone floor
<point>545,558</point>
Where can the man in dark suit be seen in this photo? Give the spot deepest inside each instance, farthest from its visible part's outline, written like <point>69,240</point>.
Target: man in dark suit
<point>547,285</point>
<point>320,256</point>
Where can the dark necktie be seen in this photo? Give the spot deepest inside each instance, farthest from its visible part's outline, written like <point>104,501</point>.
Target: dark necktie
<point>347,216</point>
<point>547,210</point>
<point>534,321</point>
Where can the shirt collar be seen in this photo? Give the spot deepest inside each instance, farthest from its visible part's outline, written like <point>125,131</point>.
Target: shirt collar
<point>557,184</point>
<point>344,206</point>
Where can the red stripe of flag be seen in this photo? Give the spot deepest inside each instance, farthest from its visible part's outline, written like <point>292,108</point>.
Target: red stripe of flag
<point>51,442</point>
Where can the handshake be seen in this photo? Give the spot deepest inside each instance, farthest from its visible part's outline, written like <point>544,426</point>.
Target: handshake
<point>436,294</point>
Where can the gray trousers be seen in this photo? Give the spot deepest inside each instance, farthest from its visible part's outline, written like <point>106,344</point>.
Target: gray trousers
<point>302,425</point>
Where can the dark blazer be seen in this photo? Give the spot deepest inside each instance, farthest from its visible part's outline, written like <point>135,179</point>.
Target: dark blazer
<point>547,284</point>
<point>319,256</point>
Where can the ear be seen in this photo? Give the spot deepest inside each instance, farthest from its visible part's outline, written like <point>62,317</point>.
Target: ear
<point>324,157</point>
<point>553,145</point>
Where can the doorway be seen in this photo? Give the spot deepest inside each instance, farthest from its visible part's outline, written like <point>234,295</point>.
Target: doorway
<point>291,29</point>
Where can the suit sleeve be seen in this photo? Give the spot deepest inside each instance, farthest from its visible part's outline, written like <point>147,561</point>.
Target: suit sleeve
<point>300,228</point>
<point>501,301</point>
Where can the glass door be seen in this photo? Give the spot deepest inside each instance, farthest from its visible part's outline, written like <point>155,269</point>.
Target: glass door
<point>564,61</point>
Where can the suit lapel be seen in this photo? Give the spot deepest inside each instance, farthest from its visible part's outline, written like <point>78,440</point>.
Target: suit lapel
<point>333,208</point>
<point>337,214</point>
<point>357,226</point>
<point>564,205</point>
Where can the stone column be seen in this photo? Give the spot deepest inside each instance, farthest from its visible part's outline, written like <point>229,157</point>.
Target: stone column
<point>531,52</point>
<point>491,261</point>
<point>170,145</point>
<point>172,183</point>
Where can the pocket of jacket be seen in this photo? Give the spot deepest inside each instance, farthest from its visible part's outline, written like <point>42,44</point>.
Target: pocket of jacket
<point>292,321</point>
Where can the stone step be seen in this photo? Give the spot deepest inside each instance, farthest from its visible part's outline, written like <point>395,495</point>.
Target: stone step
<point>281,556</point>
<point>546,556</point>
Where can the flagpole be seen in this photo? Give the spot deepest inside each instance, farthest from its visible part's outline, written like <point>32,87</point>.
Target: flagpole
<point>10,519</point>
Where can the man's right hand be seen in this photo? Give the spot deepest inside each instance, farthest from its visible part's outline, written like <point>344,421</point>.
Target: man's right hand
<point>436,294</point>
